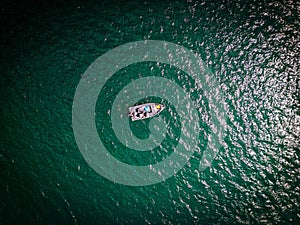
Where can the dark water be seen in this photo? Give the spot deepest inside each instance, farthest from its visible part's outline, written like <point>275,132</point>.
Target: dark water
<point>252,47</point>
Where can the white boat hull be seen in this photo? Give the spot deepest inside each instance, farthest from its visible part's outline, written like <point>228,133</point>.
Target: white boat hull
<point>145,111</point>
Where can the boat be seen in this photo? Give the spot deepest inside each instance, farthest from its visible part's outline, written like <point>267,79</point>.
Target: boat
<point>145,111</point>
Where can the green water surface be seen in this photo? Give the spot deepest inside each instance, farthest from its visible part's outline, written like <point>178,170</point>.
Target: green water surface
<point>252,47</point>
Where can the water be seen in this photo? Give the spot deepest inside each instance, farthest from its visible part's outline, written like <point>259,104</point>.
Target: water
<point>252,48</point>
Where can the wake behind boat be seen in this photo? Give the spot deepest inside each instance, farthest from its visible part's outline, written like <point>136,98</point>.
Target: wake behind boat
<point>145,111</point>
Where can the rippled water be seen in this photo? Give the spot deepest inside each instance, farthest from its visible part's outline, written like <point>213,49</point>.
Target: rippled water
<point>251,47</point>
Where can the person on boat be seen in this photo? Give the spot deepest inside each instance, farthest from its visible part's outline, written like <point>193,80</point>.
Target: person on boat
<point>139,112</point>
